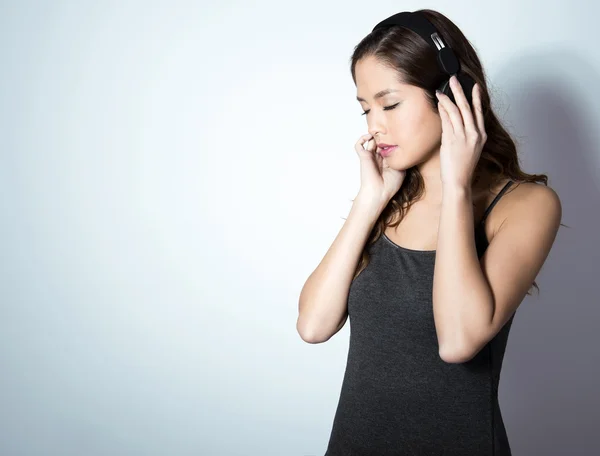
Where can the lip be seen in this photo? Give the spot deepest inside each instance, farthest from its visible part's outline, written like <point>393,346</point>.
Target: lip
<point>386,150</point>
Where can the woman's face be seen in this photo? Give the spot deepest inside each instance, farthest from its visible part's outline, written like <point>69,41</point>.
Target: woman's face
<point>412,125</point>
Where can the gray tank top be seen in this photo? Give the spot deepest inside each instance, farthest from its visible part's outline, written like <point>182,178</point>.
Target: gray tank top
<point>398,397</point>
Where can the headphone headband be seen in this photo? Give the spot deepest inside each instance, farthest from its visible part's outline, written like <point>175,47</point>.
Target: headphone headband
<point>447,60</point>
<point>418,23</point>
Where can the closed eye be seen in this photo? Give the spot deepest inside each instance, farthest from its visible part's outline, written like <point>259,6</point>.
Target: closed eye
<point>386,108</point>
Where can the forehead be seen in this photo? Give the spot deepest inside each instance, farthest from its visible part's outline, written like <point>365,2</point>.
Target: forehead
<point>376,80</point>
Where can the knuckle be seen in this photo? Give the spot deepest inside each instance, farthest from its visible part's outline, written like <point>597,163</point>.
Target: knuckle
<point>473,136</point>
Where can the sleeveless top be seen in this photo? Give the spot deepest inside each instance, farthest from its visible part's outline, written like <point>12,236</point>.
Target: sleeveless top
<point>398,397</point>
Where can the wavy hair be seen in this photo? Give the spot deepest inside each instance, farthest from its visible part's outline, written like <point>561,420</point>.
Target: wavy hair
<point>415,61</point>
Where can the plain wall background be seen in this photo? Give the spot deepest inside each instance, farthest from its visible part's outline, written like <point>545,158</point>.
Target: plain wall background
<point>171,174</point>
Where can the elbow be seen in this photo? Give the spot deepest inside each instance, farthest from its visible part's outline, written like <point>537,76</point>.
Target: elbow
<point>312,340</point>
<point>309,338</point>
<point>456,354</point>
<point>460,349</point>
<point>307,335</point>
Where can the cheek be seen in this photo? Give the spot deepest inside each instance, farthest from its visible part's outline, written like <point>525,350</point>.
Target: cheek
<point>403,125</point>
<point>408,127</point>
<point>419,134</point>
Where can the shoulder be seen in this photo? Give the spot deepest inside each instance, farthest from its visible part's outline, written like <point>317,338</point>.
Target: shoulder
<point>534,198</point>
<point>527,203</point>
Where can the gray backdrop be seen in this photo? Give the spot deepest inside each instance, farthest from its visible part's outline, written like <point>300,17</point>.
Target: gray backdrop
<point>171,174</point>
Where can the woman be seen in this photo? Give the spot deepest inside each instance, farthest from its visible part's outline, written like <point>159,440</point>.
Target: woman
<point>428,274</point>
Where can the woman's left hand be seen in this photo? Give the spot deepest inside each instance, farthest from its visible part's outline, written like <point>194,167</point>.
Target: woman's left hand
<point>463,136</point>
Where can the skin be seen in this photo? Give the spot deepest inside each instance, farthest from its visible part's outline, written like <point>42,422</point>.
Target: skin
<point>473,298</point>
<point>416,128</point>
<point>413,125</point>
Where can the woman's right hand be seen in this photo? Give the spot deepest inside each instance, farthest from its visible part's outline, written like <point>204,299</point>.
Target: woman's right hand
<point>378,182</point>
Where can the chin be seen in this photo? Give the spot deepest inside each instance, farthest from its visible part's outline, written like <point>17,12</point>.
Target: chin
<point>399,162</point>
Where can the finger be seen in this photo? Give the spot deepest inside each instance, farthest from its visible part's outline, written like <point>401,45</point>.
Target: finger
<point>446,122</point>
<point>359,145</point>
<point>453,113</point>
<point>478,109</point>
<point>364,138</point>
<point>379,160</point>
<point>463,104</point>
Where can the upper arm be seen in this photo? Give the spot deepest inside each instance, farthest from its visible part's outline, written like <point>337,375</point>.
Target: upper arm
<point>340,325</point>
<point>516,254</point>
<point>343,322</point>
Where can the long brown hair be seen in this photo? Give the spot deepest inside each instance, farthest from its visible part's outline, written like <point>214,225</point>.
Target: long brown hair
<point>415,61</point>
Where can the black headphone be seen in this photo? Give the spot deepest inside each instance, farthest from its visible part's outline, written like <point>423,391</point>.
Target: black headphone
<point>447,60</point>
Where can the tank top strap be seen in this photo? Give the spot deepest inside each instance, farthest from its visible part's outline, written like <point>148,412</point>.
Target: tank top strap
<point>493,203</point>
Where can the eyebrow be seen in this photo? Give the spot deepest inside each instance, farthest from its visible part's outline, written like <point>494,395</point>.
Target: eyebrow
<point>379,94</point>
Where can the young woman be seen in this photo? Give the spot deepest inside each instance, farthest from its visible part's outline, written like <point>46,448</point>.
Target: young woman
<point>429,275</point>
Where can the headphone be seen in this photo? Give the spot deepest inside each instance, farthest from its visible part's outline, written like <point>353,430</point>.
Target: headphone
<point>447,60</point>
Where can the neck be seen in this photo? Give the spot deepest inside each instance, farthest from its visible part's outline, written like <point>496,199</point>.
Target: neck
<point>430,171</point>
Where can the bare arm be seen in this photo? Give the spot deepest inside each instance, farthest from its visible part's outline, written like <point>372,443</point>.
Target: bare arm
<point>322,308</point>
<point>474,298</point>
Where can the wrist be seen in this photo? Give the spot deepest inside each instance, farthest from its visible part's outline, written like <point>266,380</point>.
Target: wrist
<point>456,191</point>
<point>369,204</point>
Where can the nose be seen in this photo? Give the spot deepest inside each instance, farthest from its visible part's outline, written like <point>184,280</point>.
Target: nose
<point>375,126</point>
<point>374,130</point>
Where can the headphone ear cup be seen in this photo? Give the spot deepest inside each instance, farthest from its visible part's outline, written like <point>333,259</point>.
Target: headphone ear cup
<point>467,83</point>
<point>446,89</point>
